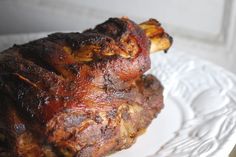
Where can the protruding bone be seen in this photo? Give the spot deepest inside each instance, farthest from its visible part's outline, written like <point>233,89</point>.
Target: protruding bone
<point>160,40</point>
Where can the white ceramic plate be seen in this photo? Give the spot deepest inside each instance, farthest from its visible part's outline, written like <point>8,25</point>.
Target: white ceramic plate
<point>199,118</point>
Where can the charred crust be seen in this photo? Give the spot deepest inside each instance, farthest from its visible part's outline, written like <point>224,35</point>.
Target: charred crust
<point>113,27</point>
<point>73,68</point>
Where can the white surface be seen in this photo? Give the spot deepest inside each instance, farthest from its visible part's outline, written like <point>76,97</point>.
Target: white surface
<point>199,118</point>
<point>204,17</point>
<point>174,12</point>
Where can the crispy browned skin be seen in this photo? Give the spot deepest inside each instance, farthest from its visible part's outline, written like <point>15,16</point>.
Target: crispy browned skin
<point>80,94</point>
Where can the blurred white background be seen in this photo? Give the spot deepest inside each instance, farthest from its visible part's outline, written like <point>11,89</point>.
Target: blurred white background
<point>203,28</point>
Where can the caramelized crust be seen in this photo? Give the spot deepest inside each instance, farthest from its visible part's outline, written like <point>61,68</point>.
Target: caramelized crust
<point>80,94</point>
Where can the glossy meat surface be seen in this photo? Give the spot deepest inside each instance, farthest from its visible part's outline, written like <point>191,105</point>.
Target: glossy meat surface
<point>80,94</point>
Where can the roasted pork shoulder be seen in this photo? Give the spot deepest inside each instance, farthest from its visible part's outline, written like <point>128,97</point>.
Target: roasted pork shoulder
<point>80,94</point>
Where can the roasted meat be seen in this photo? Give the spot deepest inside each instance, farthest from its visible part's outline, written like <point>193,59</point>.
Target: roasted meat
<point>80,94</point>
